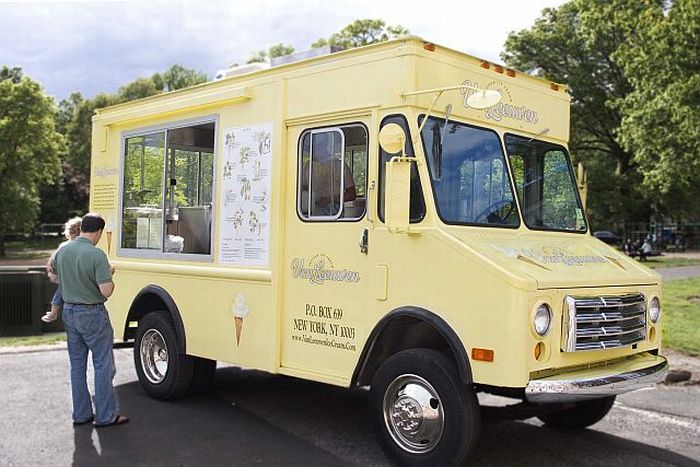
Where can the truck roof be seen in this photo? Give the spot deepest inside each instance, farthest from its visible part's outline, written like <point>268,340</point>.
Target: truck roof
<point>350,55</point>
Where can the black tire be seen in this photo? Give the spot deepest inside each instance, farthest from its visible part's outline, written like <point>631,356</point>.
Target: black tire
<point>156,334</point>
<point>582,415</point>
<point>455,400</point>
<point>202,375</point>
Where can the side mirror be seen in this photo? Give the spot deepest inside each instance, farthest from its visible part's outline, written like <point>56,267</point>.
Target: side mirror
<point>392,140</point>
<point>398,194</point>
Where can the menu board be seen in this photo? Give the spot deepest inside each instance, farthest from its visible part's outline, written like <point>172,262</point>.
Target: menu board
<point>244,204</point>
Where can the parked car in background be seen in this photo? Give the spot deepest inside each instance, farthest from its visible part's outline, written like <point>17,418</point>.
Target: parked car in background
<point>606,236</point>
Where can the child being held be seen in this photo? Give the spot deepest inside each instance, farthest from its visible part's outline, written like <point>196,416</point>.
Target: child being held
<point>71,231</point>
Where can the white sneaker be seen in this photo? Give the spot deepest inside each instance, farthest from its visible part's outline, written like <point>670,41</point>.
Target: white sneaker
<point>50,316</point>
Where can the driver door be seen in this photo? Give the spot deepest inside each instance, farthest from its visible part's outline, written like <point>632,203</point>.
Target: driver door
<point>325,280</point>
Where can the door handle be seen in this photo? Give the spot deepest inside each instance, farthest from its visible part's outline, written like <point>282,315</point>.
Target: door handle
<point>364,241</point>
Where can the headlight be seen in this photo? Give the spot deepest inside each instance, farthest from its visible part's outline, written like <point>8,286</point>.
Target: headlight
<point>654,309</point>
<point>543,318</point>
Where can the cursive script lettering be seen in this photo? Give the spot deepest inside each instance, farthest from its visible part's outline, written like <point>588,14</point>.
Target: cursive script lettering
<point>502,109</point>
<point>317,273</point>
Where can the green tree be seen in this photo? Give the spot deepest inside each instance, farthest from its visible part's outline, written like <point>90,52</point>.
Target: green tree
<point>576,44</point>
<point>258,57</point>
<point>30,149</point>
<point>14,74</point>
<point>279,50</point>
<point>362,32</point>
<point>661,116</point>
<point>177,77</point>
<point>137,89</point>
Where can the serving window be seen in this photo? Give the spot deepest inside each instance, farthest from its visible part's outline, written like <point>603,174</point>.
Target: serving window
<point>168,191</point>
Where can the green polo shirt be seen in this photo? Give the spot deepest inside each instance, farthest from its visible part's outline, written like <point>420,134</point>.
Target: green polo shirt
<point>81,267</point>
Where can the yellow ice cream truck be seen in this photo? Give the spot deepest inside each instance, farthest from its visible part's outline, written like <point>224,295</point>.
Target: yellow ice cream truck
<point>402,217</point>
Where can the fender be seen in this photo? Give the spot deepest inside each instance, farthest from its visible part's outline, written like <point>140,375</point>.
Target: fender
<point>435,321</point>
<point>144,299</point>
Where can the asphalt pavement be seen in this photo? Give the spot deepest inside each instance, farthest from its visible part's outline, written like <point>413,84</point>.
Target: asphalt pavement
<point>255,418</point>
<point>681,272</point>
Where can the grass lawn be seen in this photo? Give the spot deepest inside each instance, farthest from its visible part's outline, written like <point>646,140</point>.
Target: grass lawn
<point>31,249</point>
<point>680,313</point>
<point>658,262</point>
<point>43,339</point>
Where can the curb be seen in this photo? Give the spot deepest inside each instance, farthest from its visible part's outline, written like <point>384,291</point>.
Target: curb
<point>32,348</point>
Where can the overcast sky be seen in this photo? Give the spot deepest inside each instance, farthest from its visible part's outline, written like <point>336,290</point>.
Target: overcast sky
<point>96,46</point>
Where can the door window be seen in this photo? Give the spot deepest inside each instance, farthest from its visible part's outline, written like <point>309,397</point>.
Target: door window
<point>332,175</point>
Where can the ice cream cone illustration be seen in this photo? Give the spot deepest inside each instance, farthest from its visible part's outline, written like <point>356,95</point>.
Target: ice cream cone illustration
<point>239,329</point>
<point>240,311</point>
<point>109,229</point>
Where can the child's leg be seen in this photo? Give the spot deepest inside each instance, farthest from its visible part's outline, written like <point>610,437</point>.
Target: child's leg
<point>56,305</point>
<point>57,300</point>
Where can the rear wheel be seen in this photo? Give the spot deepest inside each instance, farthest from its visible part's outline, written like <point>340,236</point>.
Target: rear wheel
<point>164,371</point>
<point>421,412</point>
<point>583,414</point>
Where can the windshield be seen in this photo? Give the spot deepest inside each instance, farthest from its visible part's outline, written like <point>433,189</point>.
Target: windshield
<point>468,173</point>
<point>545,185</point>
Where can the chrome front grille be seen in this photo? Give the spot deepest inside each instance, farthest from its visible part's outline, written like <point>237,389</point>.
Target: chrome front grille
<point>605,322</point>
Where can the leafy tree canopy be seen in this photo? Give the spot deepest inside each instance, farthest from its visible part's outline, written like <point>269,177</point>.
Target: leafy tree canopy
<point>661,115</point>
<point>577,44</point>
<point>362,32</point>
<point>30,150</point>
<point>279,50</point>
<point>177,77</point>
<point>13,74</point>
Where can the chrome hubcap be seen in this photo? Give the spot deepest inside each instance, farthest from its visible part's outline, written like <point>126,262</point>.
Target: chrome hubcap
<point>413,414</point>
<point>154,356</point>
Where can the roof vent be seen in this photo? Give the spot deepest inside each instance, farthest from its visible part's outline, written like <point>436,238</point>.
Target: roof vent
<point>240,70</point>
<point>295,57</point>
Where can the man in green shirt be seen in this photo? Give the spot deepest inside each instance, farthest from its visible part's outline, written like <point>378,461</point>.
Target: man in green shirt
<point>85,279</point>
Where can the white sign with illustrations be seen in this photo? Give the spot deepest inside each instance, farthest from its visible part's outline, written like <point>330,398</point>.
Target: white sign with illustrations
<point>244,204</point>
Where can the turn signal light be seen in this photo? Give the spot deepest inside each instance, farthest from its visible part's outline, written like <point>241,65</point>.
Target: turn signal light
<point>538,350</point>
<point>485,355</point>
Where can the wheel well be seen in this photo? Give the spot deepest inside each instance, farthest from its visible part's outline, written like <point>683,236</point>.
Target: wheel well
<point>153,298</point>
<point>409,328</point>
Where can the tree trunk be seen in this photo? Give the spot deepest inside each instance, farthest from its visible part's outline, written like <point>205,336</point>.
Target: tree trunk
<point>2,245</point>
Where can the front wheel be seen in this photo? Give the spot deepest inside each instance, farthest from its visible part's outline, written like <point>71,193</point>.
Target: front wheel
<point>164,371</point>
<point>421,412</point>
<point>583,414</point>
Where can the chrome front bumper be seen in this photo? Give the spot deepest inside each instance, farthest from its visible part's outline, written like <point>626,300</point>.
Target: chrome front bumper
<point>582,385</point>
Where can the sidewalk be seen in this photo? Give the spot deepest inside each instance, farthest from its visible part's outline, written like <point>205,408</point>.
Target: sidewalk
<point>681,272</point>
<point>40,257</point>
<point>685,254</point>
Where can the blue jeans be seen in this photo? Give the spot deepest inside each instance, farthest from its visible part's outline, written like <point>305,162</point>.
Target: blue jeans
<point>88,328</point>
<point>57,298</point>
